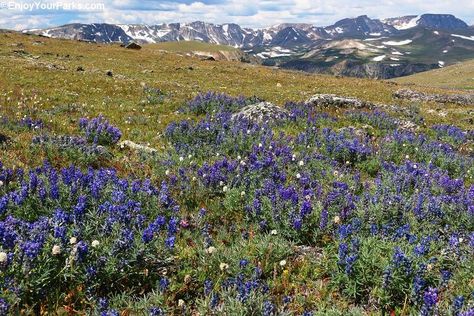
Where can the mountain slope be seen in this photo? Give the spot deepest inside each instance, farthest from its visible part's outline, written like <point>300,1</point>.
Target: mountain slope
<point>360,46</point>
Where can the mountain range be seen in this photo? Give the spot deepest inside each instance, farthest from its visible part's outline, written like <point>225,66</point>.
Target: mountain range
<point>361,46</point>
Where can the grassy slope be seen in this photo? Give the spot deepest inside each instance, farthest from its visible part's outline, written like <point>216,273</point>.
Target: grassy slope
<point>192,46</point>
<point>460,76</point>
<point>39,78</point>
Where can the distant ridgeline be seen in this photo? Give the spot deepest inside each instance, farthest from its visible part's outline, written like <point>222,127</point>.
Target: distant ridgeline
<point>360,47</point>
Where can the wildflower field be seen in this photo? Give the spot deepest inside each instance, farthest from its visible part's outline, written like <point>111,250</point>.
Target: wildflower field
<point>328,211</point>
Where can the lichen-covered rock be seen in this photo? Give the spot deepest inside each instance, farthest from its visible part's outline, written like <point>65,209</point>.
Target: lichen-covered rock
<point>407,94</point>
<point>131,145</point>
<point>332,100</point>
<point>261,112</point>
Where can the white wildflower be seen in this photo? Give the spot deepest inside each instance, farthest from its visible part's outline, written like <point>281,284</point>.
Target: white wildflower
<point>301,163</point>
<point>167,172</point>
<point>95,243</point>
<point>298,176</point>
<point>225,189</point>
<point>73,240</point>
<point>211,250</point>
<point>223,266</point>
<point>282,263</point>
<point>56,250</point>
<point>180,303</point>
<point>274,232</point>
<point>337,219</point>
<point>181,158</point>
<point>3,257</point>
<point>242,193</point>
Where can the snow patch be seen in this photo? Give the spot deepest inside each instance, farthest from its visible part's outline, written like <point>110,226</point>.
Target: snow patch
<point>445,51</point>
<point>225,28</point>
<point>469,38</point>
<point>406,25</point>
<point>395,52</point>
<point>379,58</point>
<point>441,64</point>
<point>400,43</point>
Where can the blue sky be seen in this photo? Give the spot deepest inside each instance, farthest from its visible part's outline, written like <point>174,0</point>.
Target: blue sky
<point>27,14</point>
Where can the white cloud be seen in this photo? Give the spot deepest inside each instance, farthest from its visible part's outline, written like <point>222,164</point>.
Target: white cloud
<point>249,13</point>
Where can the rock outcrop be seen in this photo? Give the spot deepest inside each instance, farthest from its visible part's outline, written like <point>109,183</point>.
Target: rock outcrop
<point>131,145</point>
<point>462,99</point>
<point>261,112</point>
<point>332,100</point>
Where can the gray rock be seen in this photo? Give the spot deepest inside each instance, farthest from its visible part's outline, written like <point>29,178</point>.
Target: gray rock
<point>332,100</point>
<point>131,145</point>
<point>109,73</point>
<point>407,94</point>
<point>261,112</point>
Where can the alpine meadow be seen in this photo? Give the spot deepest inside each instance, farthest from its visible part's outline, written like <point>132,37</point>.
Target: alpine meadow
<point>212,169</point>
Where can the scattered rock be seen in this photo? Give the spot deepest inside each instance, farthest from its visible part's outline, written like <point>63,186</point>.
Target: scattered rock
<point>328,100</point>
<point>407,94</point>
<point>50,66</point>
<point>133,45</point>
<point>407,125</point>
<point>261,112</point>
<point>80,68</point>
<point>131,145</point>
<point>362,132</point>
<point>208,58</point>
<point>302,252</point>
<point>109,73</point>
<point>278,85</point>
<point>191,68</point>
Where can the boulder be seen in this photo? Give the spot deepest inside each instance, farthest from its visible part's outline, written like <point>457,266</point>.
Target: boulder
<point>131,145</point>
<point>332,100</point>
<point>261,112</point>
<point>133,45</point>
